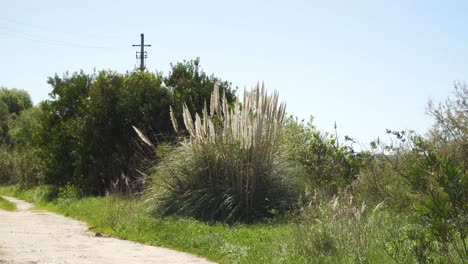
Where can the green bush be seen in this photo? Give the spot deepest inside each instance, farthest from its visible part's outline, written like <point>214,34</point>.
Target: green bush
<point>12,103</point>
<point>229,169</point>
<point>19,166</point>
<point>327,165</point>
<point>70,192</point>
<point>442,211</point>
<point>43,193</point>
<point>431,174</point>
<point>7,166</point>
<point>84,131</point>
<point>380,181</point>
<point>18,122</point>
<point>439,176</point>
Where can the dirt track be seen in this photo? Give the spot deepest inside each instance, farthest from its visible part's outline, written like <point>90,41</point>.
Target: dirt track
<point>42,237</point>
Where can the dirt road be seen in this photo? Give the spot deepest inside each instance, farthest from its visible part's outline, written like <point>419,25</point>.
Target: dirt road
<point>42,237</point>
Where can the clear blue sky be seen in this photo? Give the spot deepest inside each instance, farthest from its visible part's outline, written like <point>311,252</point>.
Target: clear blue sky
<point>368,65</point>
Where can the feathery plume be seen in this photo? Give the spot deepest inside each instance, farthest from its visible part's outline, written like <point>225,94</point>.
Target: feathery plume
<point>174,120</point>
<point>142,136</point>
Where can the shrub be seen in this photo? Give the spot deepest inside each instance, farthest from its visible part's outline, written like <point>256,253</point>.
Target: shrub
<point>442,212</point>
<point>383,177</point>
<point>19,166</point>
<point>70,192</point>
<point>435,172</point>
<point>449,134</point>
<point>229,168</point>
<point>378,181</point>
<point>42,193</point>
<point>328,166</point>
<point>7,167</point>
<point>438,174</point>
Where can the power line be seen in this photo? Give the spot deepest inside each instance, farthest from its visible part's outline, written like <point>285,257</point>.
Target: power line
<point>142,54</point>
<point>39,34</point>
<point>48,29</point>
<point>49,41</point>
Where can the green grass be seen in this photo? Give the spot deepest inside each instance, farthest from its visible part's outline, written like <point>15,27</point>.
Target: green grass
<point>127,219</point>
<point>7,205</point>
<point>318,235</point>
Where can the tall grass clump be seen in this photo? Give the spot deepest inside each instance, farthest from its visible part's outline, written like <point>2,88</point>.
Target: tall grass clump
<point>228,169</point>
<point>345,231</point>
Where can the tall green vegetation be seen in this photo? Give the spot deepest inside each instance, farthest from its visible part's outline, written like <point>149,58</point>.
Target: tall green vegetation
<point>229,168</point>
<point>328,166</point>
<point>82,137</point>
<point>440,177</point>
<point>242,161</point>
<point>449,134</point>
<point>62,121</point>
<point>343,230</point>
<point>15,100</point>
<point>427,179</point>
<point>191,86</point>
<point>16,161</point>
<point>12,103</point>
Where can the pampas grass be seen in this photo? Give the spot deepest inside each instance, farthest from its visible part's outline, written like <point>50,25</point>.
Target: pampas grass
<point>228,167</point>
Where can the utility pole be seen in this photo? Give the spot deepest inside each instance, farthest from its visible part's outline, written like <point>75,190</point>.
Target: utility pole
<point>142,55</point>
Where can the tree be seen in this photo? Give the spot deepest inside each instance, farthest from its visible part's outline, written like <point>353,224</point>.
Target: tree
<point>86,134</point>
<point>189,84</point>
<point>12,103</point>
<point>117,103</point>
<point>16,100</point>
<point>61,127</point>
<point>84,130</point>
<point>23,129</point>
<point>4,116</point>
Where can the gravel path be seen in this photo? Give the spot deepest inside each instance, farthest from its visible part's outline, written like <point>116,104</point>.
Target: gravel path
<point>42,237</point>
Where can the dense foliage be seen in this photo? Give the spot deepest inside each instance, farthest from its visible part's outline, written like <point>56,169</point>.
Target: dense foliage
<point>82,136</point>
<point>241,161</point>
<point>327,165</point>
<point>190,85</point>
<point>15,107</point>
<point>12,103</point>
<point>427,177</point>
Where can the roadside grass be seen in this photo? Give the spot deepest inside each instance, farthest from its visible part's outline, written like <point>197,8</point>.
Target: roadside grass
<point>126,218</point>
<point>7,205</point>
<point>318,235</point>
